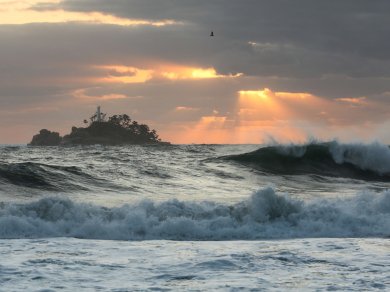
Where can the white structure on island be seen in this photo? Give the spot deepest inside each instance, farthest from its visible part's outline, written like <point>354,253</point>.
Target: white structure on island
<point>98,114</point>
<point>97,117</point>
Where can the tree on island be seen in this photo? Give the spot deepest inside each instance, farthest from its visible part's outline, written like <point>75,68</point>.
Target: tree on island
<point>116,130</point>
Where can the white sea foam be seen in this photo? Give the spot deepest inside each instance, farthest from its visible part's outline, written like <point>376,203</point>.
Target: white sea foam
<point>374,156</point>
<point>265,214</point>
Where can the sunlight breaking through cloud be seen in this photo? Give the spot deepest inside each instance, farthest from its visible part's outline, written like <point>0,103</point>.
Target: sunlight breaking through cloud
<point>129,74</point>
<point>82,94</point>
<point>124,74</point>
<point>23,12</point>
<point>353,100</point>
<point>178,73</point>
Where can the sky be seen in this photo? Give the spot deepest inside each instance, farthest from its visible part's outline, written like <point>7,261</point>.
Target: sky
<point>284,70</point>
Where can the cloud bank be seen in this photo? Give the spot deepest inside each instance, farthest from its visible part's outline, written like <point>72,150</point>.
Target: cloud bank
<point>326,65</point>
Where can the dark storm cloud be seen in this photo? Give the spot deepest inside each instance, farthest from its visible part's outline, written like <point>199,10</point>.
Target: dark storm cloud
<point>300,38</point>
<point>68,50</point>
<point>332,49</point>
<point>44,62</point>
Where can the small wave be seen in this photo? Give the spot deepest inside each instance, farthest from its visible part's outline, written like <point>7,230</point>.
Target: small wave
<point>358,161</point>
<point>154,171</point>
<point>222,264</point>
<point>264,215</point>
<point>10,148</point>
<point>199,148</point>
<point>44,176</point>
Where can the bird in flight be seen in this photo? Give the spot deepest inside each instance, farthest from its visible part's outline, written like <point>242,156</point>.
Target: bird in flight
<point>212,34</point>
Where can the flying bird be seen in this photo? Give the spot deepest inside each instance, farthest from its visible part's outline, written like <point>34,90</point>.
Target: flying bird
<point>212,34</point>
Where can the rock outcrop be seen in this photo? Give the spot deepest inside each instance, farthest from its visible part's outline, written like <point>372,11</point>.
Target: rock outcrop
<point>46,138</point>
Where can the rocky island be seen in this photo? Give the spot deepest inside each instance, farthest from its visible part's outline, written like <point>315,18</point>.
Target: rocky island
<point>116,130</point>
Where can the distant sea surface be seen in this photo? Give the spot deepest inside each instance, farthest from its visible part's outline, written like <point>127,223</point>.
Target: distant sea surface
<point>195,217</point>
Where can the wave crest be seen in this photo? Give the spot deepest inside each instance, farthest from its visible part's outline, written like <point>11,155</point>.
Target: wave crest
<point>263,215</point>
<point>46,177</point>
<point>360,161</point>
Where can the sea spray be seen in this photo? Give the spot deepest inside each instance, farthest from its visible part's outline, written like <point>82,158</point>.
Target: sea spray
<point>358,161</point>
<point>264,215</point>
<point>374,156</point>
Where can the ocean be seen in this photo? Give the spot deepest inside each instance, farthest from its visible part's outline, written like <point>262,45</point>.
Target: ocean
<point>310,217</point>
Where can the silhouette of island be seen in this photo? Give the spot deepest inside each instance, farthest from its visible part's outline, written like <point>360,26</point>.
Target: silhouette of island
<point>116,130</point>
<point>46,138</point>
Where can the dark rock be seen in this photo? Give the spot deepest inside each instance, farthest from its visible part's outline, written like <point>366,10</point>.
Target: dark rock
<point>46,138</point>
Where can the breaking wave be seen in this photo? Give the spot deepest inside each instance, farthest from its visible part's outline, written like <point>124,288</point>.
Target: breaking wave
<point>359,161</point>
<point>264,215</point>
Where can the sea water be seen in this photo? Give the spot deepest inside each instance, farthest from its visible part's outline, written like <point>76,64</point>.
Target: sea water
<point>195,217</point>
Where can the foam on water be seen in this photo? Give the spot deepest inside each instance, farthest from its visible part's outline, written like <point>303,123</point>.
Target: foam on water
<point>264,215</point>
<point>374,156</point>
<point>348,264</point>
<point>47,242</point>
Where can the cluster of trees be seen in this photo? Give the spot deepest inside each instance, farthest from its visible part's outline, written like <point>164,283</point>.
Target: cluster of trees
<point>133,127</point>
<point>114,130</point>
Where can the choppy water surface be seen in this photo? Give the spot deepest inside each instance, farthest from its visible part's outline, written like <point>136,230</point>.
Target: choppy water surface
<point>195,217</point>
<point>304,264</point>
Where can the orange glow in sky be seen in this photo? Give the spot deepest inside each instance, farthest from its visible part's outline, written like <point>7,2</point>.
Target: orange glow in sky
<point>209,130</point>
<point>124,74</point>
<point>21,12</point>
<point>264,114</point>
<point>260,105</point>
<point>127,74</point>
<point>175,72</point>
<point>159,63</point>
<point>353,100</point>
<point>259,114</point>
<point>80,94</point>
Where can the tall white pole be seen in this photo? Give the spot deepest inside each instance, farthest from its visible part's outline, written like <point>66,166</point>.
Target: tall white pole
<point>99,118</point>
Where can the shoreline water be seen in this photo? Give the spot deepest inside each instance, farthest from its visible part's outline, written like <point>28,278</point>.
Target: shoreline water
<point>184,193</point>
<point>319,264</point>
